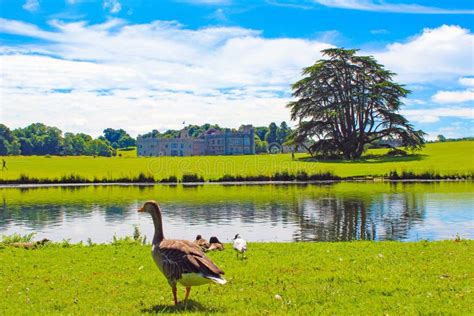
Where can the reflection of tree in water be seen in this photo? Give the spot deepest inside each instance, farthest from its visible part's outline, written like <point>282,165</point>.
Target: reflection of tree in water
<point>38,215</point>
<point>332,218</point>
<point>397,213</point>
<point>315,213</point>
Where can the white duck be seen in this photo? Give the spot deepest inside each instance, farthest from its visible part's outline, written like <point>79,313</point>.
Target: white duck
<point>180,260</point>
<point>240,245</point>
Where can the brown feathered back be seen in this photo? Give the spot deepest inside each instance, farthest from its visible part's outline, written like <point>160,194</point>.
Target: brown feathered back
<point>182,256</point>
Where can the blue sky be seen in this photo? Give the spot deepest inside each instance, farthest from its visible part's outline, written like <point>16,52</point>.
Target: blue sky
<point>85,65</point>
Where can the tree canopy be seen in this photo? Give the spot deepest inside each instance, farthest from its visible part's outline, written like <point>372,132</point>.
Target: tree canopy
<point>40,139</point>
<point>347,101</point>
<point>118,138</point>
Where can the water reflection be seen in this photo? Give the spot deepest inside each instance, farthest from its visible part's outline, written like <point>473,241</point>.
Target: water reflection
<point>338,212</point>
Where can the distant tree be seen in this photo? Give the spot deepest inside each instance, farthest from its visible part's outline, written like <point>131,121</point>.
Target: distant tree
<point>126,141</point>
<point>113,136</point>
<point>261,131</point>
<point>261,146</point>
<point>14,148</point>
<point>99,147</point>
<point>153,134</point>
<point>6,138</point>
<point>118,138</point>
<point>283,132</point>
<point>346,102</point>
<point>271,135</point>
<point>76,144</point>
<point>39,139</point>
<point>441,138</point>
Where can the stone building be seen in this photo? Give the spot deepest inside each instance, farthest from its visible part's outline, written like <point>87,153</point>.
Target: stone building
<point>213,142</point>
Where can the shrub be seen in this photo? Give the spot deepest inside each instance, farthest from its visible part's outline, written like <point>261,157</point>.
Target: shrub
<point>192,178</point>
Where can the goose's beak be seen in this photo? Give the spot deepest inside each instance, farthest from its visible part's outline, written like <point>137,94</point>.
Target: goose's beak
<point>141,210</point>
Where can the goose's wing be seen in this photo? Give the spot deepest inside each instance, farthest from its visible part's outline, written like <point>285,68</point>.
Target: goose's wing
<point>182,256</point>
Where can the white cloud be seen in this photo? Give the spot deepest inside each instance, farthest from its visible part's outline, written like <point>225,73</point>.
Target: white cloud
<point>144,76</point>
<point>433,115</point>
<point>469,82</point>
<point>149,76</point>
<point>382,6</point>
<point>439,54</point>
<point>453,96</point>
<point>411,101</point>
<point>31,5</point>
<point>455,130</point>
<point>457,96</point>
<point>113,6</point>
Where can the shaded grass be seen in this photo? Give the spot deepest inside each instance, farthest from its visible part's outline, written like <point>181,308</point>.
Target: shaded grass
<point>450,159</point>
<point>310,278</point>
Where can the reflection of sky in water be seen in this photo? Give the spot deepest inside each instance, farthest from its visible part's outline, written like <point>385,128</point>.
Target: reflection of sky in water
<point>322,215</point>
<point>446,218</point>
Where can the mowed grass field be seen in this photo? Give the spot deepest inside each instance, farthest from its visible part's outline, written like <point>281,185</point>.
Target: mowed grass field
<point>346,278</point>
<point>444,158</point>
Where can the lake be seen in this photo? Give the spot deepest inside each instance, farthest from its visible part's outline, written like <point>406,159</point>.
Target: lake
<point>268,212</point>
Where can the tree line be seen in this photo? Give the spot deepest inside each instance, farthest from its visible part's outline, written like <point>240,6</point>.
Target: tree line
<point>264,135</point>
<point>40,139</point>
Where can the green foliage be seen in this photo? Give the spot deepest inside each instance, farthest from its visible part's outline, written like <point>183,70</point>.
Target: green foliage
<point>193,131</point>
<point>261,146</point>
<point>192,178</point>
<point>261,131</point>
<point>14,238</point>
<point>347,101</point>
<point>362,278</point>
<point>118,138</point>
<point>40,139</point>
<point>271,135</point>
<point>9,145</point>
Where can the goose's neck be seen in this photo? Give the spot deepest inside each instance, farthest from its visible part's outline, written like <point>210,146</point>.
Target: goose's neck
<point>158,236</point>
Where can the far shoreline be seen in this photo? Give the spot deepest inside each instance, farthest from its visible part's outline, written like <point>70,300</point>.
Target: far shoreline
<point>226,183</point>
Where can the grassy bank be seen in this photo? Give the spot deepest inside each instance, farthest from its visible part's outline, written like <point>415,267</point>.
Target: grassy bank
<point>277,278</point>
<point>437,160</point>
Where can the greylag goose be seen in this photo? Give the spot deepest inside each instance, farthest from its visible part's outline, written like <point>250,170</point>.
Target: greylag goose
<point>180,261</point>
<point>215,244</point>
<point>202,243</point>
<point>240,245</point>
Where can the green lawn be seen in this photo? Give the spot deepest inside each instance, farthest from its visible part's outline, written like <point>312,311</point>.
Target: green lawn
<point>443,158</point>
<point>362,278</point>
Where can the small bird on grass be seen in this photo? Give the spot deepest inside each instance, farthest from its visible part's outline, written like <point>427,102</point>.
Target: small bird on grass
<point>240,245</point>
<point>215,244</point>
<point>201,242</point>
